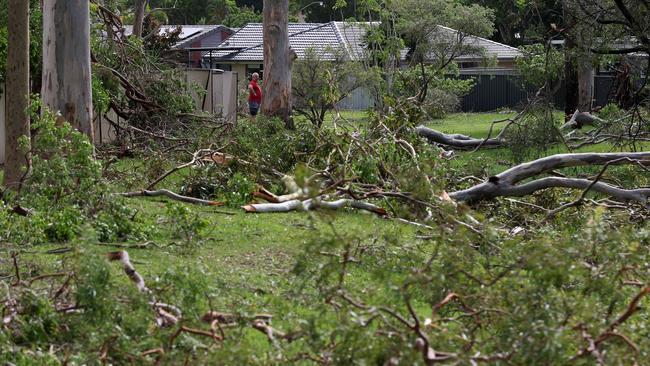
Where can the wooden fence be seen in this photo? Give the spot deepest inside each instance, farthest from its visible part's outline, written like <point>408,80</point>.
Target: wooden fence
<point>219,96</point>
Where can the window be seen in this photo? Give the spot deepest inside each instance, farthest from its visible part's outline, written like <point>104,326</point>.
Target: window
<point>251,68</point>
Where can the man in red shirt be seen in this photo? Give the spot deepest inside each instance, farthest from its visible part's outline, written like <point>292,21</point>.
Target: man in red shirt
<point>254,95</point>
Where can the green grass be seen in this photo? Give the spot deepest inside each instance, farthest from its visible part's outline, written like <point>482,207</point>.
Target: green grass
<point>247,260</point>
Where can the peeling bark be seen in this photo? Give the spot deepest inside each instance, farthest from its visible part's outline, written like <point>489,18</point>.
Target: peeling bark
<point>66,62</point>
<point>278,59</point>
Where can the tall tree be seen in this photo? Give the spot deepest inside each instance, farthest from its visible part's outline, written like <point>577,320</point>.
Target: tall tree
<point>278,58</point>
<point>138,19</point>
<point>17,119</point>
<point>66,62</point>
<point>570,68</point>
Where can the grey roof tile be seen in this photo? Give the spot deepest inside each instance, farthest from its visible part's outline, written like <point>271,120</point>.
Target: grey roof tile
<point>246,43</point>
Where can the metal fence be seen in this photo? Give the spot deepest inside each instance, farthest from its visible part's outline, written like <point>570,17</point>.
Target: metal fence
<point>493,92</point>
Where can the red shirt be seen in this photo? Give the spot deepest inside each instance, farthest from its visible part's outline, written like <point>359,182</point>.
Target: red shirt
<point>257,97</point>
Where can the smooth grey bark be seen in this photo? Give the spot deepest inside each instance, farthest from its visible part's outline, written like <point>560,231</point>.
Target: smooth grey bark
<point>311,204</point>
<point>278,59</point>
<point>458,140</point>
<point>17,91</point>
<point>505,183</point>
<point>66,62</point>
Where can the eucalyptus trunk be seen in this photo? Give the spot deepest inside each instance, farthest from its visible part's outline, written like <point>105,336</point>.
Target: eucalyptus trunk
<point>138,22</point>
<point>278,59</point>
<point>66,62</point>
<point>17,91</point>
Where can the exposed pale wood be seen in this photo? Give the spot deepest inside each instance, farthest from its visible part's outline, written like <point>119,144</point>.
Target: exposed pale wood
<point>506,183</point>
<point>278,59</point>
<point>66,62</point>
<point>123,257</point>
<point>169,194</point>
<point>311,204</point>
<point>17,91</point>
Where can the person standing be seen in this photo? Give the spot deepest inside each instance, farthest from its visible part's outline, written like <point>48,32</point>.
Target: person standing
<point>254,95</point>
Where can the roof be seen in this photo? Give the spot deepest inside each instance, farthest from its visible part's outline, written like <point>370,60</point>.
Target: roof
<point>490,48</point>
<point>189,33</point>
<point>246,44</point>
<point>328,38</point>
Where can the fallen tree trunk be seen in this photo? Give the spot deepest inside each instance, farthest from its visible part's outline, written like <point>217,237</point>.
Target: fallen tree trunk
<point>169,194</point>
<point>506,183</point>
<point>311,204</point>
<point>457,140</point>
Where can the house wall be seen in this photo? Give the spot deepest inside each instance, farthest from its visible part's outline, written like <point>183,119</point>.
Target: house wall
<point>240,69</point>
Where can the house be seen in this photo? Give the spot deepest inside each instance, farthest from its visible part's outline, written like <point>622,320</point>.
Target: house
<point>478,50</point>
<point>243,51</point>
<point>192,37</point>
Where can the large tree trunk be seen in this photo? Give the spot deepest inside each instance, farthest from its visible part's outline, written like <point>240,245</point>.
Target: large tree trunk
<point>585,84</point>
<point>66,62</point>
<point>278,58</point>
<point>140,7</point>
<point>17,90</point>
<point>570,69</point>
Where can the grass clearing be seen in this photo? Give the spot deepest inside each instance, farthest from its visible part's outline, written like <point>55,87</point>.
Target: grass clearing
<point>255,263</point>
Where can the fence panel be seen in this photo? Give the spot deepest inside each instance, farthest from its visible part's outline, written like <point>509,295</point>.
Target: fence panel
<point>360,99</point>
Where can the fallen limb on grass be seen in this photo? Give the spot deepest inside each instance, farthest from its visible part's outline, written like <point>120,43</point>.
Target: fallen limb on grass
<point>123,257</point>
<point>311,204</point>
<point>458,141</point>
<point>169,194</point>
<point>506,183</point>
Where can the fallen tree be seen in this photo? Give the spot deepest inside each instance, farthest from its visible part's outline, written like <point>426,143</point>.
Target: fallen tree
<point>311,204</point>
<point>457,140</point>
<point>506,183</point>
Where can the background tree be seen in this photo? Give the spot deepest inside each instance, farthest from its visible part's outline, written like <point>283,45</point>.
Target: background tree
<point>66,62</point>
<point>278,58</point>
<point>140,8</point>
<point>322,79</point>
<point>17,119</point>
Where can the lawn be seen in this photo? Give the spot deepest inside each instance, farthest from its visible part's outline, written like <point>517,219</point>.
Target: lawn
<point>251,263</point>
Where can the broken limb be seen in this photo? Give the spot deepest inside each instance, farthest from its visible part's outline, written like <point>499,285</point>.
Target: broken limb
<point>311,204</point>
<point>169,194</point>
<point>123,257</point>
<point>506,183</point>
<point>458,141</point>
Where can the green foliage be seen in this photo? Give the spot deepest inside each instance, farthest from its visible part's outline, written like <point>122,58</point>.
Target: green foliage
<point>535,134</point>
<point>321,79</point>
<point>239,190</point>
<point>419,23</point>
<point>268,143</point>
<point>35,41</point>
<point>184,224</point>
<point>439,92</point>
<point>63,170</point>
<point>117,222</point>
<point>540,64</point>
<point>225,12</point>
